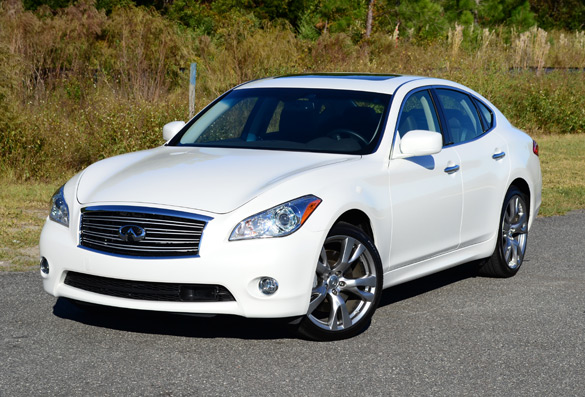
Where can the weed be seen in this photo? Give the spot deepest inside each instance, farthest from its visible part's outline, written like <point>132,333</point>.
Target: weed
<point>23,210</point>
<point>562,162</point>
<point>79,85</point>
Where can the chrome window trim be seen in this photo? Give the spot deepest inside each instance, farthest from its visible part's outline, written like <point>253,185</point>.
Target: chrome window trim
<point>472,97</point>
<point>429,89</point>
<point>395,131</point>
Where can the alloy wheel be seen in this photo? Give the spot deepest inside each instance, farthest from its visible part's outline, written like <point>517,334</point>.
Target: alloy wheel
<point>345,284</point>
<point>514,232</point>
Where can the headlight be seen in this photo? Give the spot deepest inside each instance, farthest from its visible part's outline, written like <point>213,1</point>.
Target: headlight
<point>282,220</point>
<point>59,209</point>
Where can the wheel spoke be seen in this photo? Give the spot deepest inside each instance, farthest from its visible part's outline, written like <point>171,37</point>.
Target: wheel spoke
<point>366,281</point>
<point>508,249</point>
<point>513,252</point>
<point>505,228</point>
<point>511,210</point>
<point>363,295</point>
<point>352,286</point>
<point>321,293</point>
<point>322,266</point>
<point>346,249</point>
<point>348,255</point>
<point>515,255</point>
<point>517,208</point>
<point>338,309</point>
<point>521,227</point>
<point>357,253</point>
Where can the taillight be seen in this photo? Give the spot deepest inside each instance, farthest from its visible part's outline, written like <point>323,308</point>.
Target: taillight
<point>534,147</point>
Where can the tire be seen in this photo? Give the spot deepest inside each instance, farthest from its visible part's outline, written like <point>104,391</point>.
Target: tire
<point>512,237</point>
<point>347,286</point>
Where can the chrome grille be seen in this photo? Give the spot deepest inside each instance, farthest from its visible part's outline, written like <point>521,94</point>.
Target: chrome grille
<point>141,231</point>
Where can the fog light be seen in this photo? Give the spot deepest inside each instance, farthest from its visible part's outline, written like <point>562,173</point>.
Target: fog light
<point>268,285</point>
<point>44,265</point>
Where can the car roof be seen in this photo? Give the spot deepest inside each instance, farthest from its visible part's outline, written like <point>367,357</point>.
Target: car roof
<point>382,83</point>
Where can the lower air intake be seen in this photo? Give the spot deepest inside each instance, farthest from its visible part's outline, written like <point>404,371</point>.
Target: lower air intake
<point>143,290</point>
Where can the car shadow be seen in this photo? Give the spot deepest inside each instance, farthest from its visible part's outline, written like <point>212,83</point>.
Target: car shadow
<point>429,283</point>
<point>225,326</point>
<point>161,323</point>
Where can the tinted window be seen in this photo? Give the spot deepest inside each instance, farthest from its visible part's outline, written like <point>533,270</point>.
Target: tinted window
<point>229,124</point>
<point>335,121</point>
<point>486,115</point>
<point>418,113</point>
<point>461,115</point>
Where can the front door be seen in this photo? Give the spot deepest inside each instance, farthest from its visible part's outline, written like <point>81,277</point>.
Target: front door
<point>426,191</point>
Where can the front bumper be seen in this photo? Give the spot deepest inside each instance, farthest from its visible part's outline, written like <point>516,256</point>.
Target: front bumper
<point>235,265</point>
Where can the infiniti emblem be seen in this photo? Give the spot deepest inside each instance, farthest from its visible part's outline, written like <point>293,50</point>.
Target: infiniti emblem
<point>132,233</point>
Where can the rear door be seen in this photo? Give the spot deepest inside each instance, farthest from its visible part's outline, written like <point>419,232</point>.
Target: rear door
<point>484,161</point>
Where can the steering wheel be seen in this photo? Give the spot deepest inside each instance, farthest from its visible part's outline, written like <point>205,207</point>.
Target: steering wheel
<point>337,133</point>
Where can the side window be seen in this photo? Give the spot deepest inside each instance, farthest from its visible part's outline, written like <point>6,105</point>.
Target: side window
<point>486,115</point>
<point>418,113</point>
<point>461,115</point>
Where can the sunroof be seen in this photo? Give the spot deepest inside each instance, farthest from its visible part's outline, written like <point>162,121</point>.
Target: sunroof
<point>368,77</point>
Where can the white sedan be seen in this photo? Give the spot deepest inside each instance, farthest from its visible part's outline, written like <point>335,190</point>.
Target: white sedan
<point>299,197</point>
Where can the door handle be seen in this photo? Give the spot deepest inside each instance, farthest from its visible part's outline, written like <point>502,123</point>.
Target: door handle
<point>451,169</point>
<point>498,156</point>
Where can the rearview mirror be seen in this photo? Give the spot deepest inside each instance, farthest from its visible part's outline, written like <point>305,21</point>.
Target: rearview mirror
<point>171,129</point>
<point>420,143</point>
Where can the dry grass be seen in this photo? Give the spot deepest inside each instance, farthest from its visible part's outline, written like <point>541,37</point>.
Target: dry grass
<point>79,86</point>
<point>23,210</point>
<point>562,163</point>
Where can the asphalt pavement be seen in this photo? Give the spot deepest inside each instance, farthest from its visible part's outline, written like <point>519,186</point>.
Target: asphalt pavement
<point>450,334</point>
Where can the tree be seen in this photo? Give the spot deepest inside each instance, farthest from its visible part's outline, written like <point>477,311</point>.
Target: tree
<point>369,19</point>
<point>463,12</point>
<point>559,14</point>
<point>425,18</point>
<point>289,10</point>
<point>510,12</point>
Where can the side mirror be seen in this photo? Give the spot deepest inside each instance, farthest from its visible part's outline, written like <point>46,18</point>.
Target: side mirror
<point>421,143</point>
<point>171,129</point>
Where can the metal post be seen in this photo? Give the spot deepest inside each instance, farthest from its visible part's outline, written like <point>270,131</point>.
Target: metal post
<point>193,77</point>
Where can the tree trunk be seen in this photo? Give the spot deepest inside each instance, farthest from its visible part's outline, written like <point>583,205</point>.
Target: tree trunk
<point>369,18</point>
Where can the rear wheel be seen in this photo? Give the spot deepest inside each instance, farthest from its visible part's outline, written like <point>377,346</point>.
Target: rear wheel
<point>512,236</point>
<point>346,288</point>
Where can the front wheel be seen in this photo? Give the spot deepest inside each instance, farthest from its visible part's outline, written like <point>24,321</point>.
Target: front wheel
<point>347,286</point>
<point>512,235</point>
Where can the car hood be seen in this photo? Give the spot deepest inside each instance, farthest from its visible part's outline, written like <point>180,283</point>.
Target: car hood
<point>207,179</point>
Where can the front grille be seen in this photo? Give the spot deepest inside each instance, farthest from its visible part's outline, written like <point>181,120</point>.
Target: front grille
<point>143,290</point>
<point>141,231</point>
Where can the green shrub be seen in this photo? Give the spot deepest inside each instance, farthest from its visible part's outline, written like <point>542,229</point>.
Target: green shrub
<point>79,85</point>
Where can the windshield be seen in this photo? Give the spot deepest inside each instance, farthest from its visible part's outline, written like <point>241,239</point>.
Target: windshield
<point>315,120</point>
